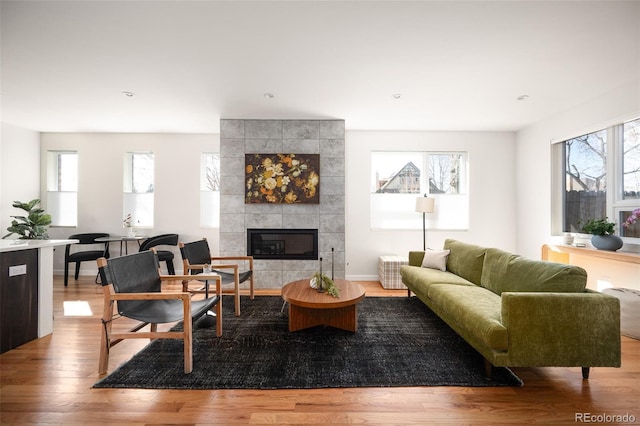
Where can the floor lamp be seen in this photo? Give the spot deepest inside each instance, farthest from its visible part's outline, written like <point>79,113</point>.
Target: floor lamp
<point>425,205</point>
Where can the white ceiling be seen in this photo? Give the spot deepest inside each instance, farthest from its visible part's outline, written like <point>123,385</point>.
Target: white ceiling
<point>459,65</point>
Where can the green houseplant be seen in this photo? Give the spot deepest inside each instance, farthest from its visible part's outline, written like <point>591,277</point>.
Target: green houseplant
<point>602,231</point>
<point>34,225</point>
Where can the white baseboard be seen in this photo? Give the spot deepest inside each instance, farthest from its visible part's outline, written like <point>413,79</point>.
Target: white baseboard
<point>362,277</point>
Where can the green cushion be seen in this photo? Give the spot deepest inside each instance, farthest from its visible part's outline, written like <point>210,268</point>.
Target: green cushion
<point>503,271</point>
<point>465,260</point>
<point>475,309</point>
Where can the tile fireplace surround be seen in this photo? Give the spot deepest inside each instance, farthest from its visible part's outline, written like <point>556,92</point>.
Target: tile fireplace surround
<point>324,137</point>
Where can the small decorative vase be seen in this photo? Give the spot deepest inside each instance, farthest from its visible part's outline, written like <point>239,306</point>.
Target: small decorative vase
<point>607,242</point>
<point>131,232</point>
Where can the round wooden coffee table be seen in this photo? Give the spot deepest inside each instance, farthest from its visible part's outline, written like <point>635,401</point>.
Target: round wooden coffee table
<point>308,308</point>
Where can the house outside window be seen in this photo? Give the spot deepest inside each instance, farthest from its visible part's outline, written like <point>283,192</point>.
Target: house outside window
<point>210,190</point>
<point>62,187</point>
<point>139,188</point>
<point>397,178</point>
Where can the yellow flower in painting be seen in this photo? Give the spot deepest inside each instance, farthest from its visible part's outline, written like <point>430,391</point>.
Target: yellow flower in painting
<point>290,198</point>
<point>271,198</point>
<point>279,181</point>
<point>268,174</point>
<point>270,183</point>
<point>313,178</point>
<point>249,168</point>
<point>267,162</point>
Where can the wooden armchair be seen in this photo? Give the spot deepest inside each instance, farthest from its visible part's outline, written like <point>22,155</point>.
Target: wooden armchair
<point>134,282</point>
<point>196,254</point>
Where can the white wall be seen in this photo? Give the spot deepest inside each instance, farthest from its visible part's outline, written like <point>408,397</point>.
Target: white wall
<point>533,159</point>
<point>19,171</point>
<point>491,194</point>
<point>100,163</point>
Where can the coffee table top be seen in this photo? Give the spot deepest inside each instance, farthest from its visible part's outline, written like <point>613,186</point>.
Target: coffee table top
<point>300,293</point>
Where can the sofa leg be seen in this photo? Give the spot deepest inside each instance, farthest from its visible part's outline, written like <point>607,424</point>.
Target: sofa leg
<point>488,369</point>
<point>585,372</point>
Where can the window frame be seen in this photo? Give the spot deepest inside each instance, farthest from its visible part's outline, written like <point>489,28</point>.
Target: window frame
<point>209,198</point>
<point>57,199</point>
<point>405,202</point>
<point>615,202</point>
<point>131,196</point>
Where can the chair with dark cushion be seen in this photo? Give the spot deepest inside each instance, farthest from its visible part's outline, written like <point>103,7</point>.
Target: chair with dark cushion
<point>163,255</point>
<point>79,256</point>
<point>196,254</point>
<point>133,282</point>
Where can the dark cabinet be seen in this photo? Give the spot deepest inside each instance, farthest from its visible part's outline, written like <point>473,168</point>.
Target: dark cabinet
<point>18,298</point>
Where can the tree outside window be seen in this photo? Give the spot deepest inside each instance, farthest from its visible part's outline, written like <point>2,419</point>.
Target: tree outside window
<point>585,180</point>
<point>139,188</point>
<point>210,190</point>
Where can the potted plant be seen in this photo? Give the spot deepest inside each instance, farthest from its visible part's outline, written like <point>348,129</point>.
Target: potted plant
<point>34,225</point>
<point>602,231</point>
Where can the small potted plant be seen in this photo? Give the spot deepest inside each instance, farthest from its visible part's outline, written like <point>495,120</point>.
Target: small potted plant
<point>34,225</point>
<point>128,224</point>
<point>602,231</point>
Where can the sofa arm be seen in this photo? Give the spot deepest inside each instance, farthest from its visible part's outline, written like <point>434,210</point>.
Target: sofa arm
<point>562,329</point>
<point>415,258</point>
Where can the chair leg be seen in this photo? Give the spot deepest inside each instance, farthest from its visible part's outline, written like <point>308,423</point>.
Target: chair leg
<point>77,270</point>
<point>251,286</point>
<point>188,344</point>
<point>66,273</point>
<point>105,343</point>
<point>236,290</point>
<point>170,267</point>
<point>219,318</point>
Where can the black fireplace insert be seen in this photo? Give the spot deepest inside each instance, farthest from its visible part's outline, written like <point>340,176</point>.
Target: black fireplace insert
<point>294,244</point>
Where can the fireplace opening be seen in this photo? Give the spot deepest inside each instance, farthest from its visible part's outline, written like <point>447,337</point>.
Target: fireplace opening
<point>294,244</point>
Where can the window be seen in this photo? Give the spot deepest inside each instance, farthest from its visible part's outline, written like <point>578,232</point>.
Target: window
<point>138,188</point>
<point>585,181</point>
<point>630,178</point>
<point>210,190</point>
<point>62,187</point>
<point>600,178</point>
<point>397,178</point>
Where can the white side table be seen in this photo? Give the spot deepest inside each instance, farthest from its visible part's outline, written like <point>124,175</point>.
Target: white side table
<point>389,271</point>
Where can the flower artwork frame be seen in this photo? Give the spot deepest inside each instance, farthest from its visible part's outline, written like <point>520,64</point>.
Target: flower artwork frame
<point>282,179</point>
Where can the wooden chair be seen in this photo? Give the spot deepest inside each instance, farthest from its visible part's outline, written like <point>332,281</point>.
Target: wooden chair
<point>196,254</point>
<point>134,282</point>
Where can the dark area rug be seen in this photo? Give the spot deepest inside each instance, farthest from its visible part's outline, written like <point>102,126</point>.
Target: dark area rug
<point>399,342</point>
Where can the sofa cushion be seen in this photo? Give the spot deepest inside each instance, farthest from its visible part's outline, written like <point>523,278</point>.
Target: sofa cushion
<point>475,309</point>
<point>465,260</point>
<point>435,259</point>
<point>503,271</point>
<point>419,279</point>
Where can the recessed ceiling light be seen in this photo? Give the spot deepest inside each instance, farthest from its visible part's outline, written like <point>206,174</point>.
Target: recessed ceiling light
<point>396,95</point>
<point>522,97</point>
<point>128,94</point>
<point>268,95</point>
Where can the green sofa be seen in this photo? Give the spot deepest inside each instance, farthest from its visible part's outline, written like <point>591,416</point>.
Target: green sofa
<point>518,312</point>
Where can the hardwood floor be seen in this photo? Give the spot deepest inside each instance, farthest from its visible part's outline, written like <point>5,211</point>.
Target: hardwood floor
<point>48,381</point>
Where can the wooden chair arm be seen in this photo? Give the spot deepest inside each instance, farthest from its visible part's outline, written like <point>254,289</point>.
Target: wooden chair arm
<point>225,266</point>
<point>231,257</point>
<point>150,296</point>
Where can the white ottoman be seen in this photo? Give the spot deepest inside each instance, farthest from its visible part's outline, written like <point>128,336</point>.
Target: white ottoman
<point>629,310</point>
<point>389,271</point>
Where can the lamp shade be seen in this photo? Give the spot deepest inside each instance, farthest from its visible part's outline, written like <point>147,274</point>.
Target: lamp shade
<point>425,204</point>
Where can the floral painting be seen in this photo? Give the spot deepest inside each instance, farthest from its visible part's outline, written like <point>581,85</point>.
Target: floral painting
<point>282,178</point>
